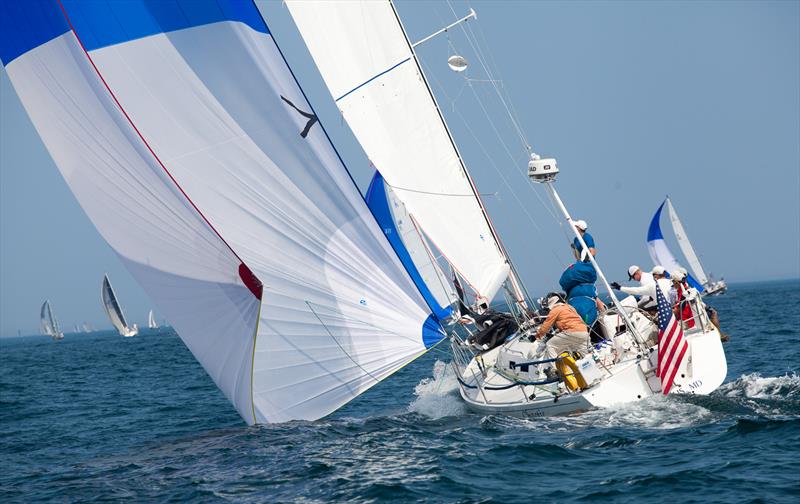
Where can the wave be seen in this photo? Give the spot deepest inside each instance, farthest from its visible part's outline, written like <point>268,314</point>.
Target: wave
<point>755,386</point>
<point>438,396</point>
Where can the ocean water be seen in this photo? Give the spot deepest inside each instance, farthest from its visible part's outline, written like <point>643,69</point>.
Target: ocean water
<point>101,418</point>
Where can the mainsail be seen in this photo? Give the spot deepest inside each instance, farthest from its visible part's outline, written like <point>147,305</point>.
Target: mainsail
<point>151,321</point>
<point>685,245</point>
<point>659,251</point>
<point>371,70</point>
<point>185,138</point>
<point>112,307</point>
<point>49,323</point>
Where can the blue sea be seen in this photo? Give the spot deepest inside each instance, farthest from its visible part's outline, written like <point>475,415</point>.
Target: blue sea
<point>100,418</point>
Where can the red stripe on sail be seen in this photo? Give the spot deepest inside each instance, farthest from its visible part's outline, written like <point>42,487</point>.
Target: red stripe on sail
<point>155,156</point>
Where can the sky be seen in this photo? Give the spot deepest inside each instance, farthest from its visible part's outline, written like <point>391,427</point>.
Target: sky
<point>636,100</point>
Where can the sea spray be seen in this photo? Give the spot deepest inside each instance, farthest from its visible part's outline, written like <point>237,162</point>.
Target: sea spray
<point>437,396</point>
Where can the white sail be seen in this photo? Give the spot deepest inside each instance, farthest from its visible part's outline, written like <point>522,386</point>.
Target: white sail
<point>370,69</point>
<point>151,321</point>
<point>49,323</point>
<point>686,246</point>
<point>185,138</point>
<point>114,310</point>
<point>412,248</point>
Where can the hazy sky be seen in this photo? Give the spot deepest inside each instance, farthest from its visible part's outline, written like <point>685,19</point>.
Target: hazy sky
<point>636,100</point>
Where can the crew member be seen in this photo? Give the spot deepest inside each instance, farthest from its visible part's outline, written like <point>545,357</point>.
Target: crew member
<point>572,333</point>
<point>659,277</point>
<point>493,326</point>
<point>577,248</point>
<point>681,296</point>
<point>644,278</point>
<point>578,282</point>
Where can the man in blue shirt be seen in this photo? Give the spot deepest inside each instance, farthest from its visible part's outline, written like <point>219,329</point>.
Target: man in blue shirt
<point>577,248</point>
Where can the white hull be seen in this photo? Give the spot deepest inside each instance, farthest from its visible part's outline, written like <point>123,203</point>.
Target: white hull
<point>129,333</point>
<point>631,378</point>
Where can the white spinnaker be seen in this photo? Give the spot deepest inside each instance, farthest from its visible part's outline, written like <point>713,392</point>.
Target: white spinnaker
<point>686,246</point>
<point>216,105</point>
<point>368,66</point>
<point>112,307</point>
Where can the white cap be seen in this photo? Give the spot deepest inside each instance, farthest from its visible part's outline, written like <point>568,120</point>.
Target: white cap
<point>658,270</point>
<point>677,275</point>
<point>552,301</point>
<point>581,224</point>
<point>632,270</point>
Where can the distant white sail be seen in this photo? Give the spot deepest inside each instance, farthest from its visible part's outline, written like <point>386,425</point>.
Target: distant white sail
<point>686,246</point>
<point>114,310</point>
<point>370,69</point>
<point>151,321</point>
<point>49,323</point>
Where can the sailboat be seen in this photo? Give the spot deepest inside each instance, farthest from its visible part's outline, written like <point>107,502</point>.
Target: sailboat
<point>114,310</point>
<point>231,207</point>
<point>49,322</point>
<point>151,321</point>
<point>661,255</point>
<point>422,189</point>
<point>86,328</point>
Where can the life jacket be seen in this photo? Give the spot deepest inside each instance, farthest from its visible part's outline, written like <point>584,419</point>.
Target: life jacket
<point>685,309</point>
<point>578,282</point>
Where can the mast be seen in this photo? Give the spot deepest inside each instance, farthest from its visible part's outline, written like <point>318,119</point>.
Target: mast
<point>544,171</point>
<point>513,277</point>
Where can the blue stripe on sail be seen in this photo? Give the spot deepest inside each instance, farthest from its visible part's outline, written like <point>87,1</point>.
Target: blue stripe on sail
<point>372,79</point>
<point>25,25</point>
<point>694,283</point>
<point>378,203</point>
<point>432,331</point>
<point>101,23</point>
<point>654,231</point>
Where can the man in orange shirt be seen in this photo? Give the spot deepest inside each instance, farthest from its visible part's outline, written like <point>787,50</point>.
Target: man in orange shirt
<point>572,331</point>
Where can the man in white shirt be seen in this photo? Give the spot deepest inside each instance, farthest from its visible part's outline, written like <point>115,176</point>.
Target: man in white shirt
<point>647,288</point>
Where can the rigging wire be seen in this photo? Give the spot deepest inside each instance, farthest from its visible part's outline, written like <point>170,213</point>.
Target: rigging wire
<point>505,99</point>
<point>493,164</point>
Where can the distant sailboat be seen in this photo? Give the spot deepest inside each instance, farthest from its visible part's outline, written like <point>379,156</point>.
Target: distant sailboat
<point>50,323</point>
<point>75,329</point>
<point>151,321</point>
<point>661,255</point>
<point>114,310</point>
<point>86,328</point>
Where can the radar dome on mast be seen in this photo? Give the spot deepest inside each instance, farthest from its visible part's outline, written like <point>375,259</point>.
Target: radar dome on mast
<point>542,170</point>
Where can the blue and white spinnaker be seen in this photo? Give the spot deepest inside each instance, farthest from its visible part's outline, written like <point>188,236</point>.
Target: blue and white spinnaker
<point>184,136</point>
<point>659,251</point>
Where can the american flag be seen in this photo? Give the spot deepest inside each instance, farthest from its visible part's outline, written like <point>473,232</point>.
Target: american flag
<point>672,346</point>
